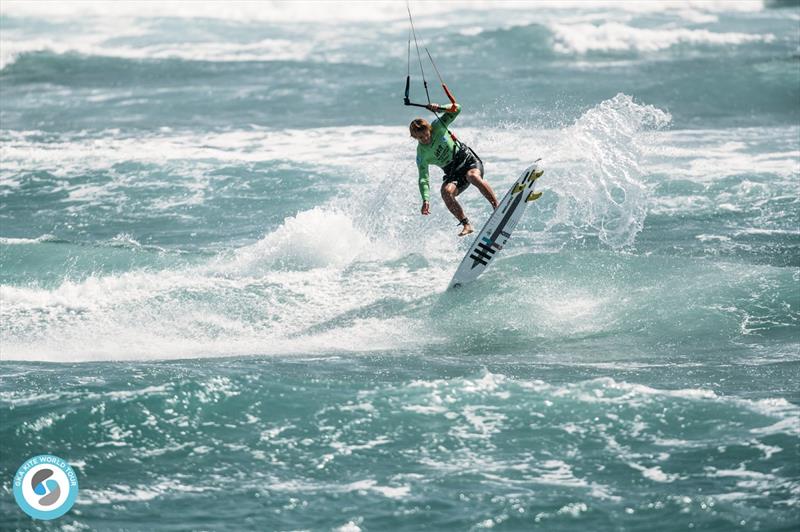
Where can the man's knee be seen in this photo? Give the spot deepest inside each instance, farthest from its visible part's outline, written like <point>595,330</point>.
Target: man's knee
<point>449,190</point>
<point>474,175</point>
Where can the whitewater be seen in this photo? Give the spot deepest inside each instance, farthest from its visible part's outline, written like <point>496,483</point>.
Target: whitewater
<point>219,302</point>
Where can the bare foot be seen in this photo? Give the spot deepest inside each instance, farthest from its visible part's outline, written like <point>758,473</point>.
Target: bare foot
<point>467,229</point>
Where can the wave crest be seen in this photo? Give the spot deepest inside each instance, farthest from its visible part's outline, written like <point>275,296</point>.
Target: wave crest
<point>617,37</point>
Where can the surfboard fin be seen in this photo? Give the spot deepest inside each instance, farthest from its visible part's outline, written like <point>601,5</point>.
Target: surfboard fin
<point>536,174</point>
<point>533,196</point>
<point>519,188</point>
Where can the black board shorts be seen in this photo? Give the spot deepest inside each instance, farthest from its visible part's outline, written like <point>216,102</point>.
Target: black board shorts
<point>456,172</point>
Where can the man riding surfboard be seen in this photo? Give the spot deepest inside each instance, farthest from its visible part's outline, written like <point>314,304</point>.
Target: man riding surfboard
<point>462,166</point>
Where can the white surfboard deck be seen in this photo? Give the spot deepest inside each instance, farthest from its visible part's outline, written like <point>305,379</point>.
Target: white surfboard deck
<point>498,228</point>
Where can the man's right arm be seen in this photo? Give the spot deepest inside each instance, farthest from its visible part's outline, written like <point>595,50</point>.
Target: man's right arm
<point>424,183</point>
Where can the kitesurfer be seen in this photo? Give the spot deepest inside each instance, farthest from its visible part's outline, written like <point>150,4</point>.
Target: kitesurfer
<point>462,166</point>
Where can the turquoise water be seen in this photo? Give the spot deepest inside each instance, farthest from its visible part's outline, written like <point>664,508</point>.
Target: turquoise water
<point>221,306</point>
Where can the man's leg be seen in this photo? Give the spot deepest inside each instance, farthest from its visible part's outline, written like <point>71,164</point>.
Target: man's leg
<point>449,193</point>
<point>475,178</point>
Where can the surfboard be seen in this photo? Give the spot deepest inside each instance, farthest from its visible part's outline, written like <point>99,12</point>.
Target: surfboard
<point>499,227</point>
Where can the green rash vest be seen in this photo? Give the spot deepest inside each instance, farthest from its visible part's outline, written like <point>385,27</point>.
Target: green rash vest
<point>438,152</point>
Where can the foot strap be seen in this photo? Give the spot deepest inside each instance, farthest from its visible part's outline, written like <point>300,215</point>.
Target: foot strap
<point>465,221</point>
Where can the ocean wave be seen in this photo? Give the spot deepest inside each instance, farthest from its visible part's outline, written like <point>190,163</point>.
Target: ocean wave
<point>219,51</point>
<point>310,10</point>
<point>705,155</point>
<point>617,37</point>
<point>259,31</point>
<point>311,239</point>
<point>103,149</point>
<point>25,241</point>
<point>521,40</point>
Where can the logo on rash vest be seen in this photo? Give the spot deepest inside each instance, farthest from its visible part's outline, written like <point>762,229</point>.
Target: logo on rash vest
<point>442,149</point>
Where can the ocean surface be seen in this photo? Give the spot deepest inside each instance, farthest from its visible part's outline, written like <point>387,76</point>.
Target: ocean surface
<point>220,304</point>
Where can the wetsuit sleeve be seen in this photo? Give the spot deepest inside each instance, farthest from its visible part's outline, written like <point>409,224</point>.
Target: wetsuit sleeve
<point>424,181</point>
<point>448,116</point>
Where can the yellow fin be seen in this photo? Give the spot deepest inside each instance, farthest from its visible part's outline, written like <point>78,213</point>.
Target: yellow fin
<point>533,196</point>
<point>535,174</point>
